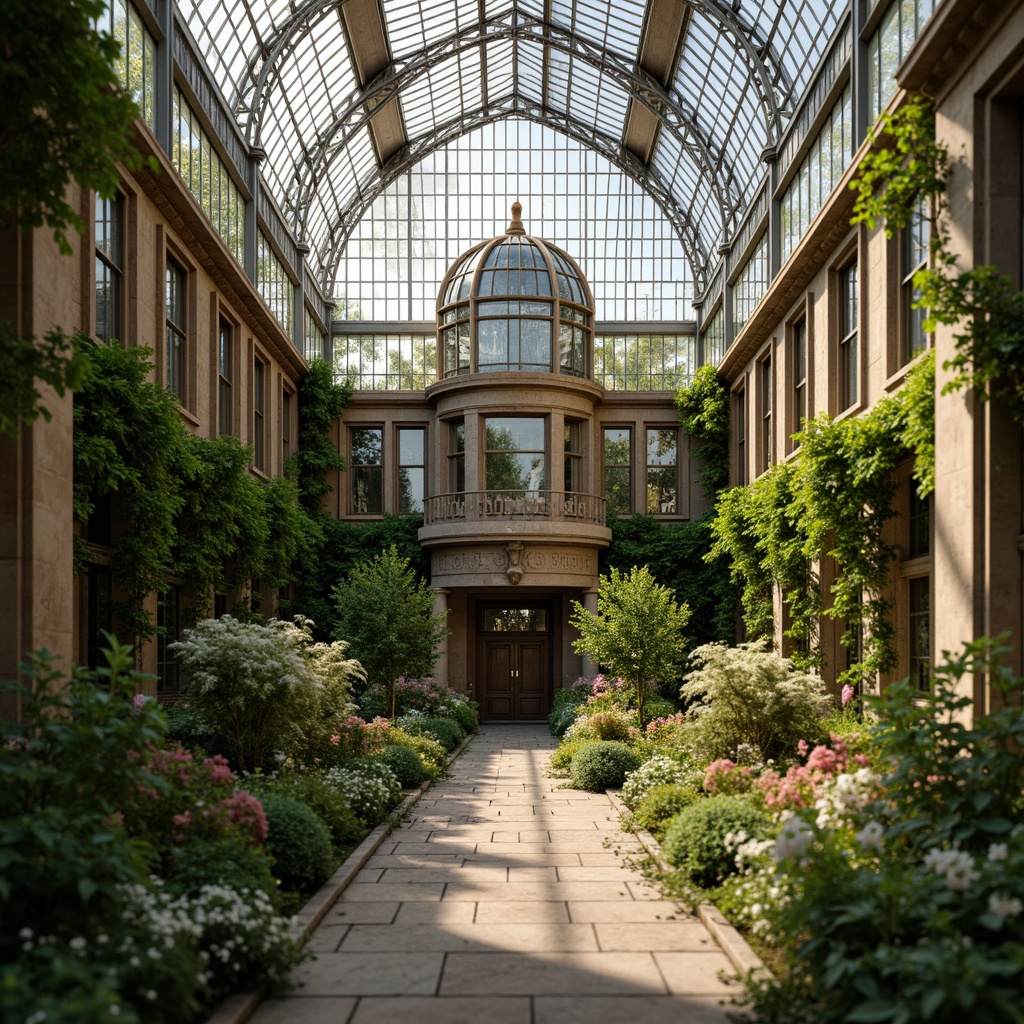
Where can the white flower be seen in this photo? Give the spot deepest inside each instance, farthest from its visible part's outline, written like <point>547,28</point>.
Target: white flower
<point>1004,906</point>
<point>795,837</point>
<point>870,836</point>
<point>958,867</point>
<point>25,933</point>
<point>78,942</point>
<point>997,851</point>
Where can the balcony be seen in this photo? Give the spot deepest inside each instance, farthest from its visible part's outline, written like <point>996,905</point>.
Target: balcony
<point>502,507</point>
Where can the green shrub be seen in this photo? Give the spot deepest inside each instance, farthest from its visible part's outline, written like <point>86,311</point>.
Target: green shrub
<point>747,695</point>
<point>465,712</point>
<point>657,707</point>
<point>607,725</point>
<point>601,765</point>
<point>370,787</point>
<point>695,840</point>
<point>446,731</point>
<point>660,804</point>
<point>405,763</point>
<point>565,752</point>
<point>566,703</point>
<point>229,862</point>
<point>661,769</point>
<point>429,751</point>
<point>298,841</point>
<point>326,801</point>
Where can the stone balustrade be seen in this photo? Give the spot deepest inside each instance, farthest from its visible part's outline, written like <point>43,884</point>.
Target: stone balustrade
<point>482,506</point>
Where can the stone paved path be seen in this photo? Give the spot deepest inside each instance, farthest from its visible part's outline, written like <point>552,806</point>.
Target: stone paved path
<point>501,902</point>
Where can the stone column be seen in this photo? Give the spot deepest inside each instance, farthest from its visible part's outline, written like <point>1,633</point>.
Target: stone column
<point>590,667</point>
<point>441,608</point>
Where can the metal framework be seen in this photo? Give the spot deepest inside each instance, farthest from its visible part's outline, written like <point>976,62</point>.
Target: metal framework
<point>346,95</point>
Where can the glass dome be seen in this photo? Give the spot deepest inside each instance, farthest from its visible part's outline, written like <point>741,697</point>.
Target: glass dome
<point>503,303</point>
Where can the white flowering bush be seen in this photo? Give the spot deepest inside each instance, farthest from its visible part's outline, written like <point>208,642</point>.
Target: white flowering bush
<point>371,788</point>
<point>264,688</point>
<point>659,770</point>
<point>747,695</point>
<point>899,897</point>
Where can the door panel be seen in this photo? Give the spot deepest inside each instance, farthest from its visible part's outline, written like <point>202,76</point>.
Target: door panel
<point>532,678</point>
<point>499,696</point>
<point>513,678</point>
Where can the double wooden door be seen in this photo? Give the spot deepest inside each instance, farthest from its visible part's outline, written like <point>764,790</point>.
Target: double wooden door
<point>514,677</point>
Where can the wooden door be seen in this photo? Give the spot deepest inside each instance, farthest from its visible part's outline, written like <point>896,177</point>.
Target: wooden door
<point>513,678</point>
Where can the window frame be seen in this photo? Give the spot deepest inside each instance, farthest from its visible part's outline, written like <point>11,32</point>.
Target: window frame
<point>800,378</point>
<point>176,352</point>
<point>111,265</point>
<point>400,465</point>
<point>650,429</point>
<point>848,354</point>
<point>260,380</point>
<point>914,340</point>
<point>765,409</point>
<point>225,381</point>
<point>627,465</point>
<point>360,471</point>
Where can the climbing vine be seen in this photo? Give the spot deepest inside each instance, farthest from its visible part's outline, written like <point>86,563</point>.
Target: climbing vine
<point>983,305</point>
<point>704,413</point>
<point>321,402</point>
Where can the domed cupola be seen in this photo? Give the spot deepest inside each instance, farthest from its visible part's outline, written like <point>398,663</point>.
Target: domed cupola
<point>515,303</point>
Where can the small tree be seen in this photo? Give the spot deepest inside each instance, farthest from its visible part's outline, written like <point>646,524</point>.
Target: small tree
<point>637,632</point>
<point>387,616</point>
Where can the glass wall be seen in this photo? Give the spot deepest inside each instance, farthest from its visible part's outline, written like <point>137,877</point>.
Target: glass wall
<point>899,28</point>
<point>136,66</point>
<point>644,362</point>
<point>714,338</point>
<point>275,285</point>
<point>751,284</point>
<point>207,176</point>
<point>514,454</point>
<point>388,362</point>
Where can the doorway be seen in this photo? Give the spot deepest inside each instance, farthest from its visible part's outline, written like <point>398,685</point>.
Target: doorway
<point>513,668</point>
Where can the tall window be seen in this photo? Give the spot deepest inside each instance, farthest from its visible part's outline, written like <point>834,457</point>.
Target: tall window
<point>919,522</point>
<point>764,371</point>
<point>366,464</point>
<point>914,257</point>
<point>135,65</point>
<point>751,284</point>
<point>275,285</point>
<point>259,418</point>
<point>849,358</point>
<point>617,481</point>
<point>286,425</point>
<point>225,374</point>
<point>739,414</point>
<point>411,469</point>
<point>109,266</point>
<point>313,339</point>
<point>514,454</point>
<point>661,470</point>
<point>920,632</point>
<point>799,375</point>
<point>457,457</point>
<point>573,478</point>
<point>168,622</point>
<point>714,338</point>
<point>175,325</point>
<point>900,26</point>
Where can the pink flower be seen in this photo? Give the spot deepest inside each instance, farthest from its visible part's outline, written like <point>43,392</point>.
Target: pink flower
<point>335,739</point>
<point>138,701</point>
<point>847,696</point>
<point>802,747</point>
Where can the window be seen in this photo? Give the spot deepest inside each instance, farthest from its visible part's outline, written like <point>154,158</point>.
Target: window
<point>764,371</point>
<point>457,457</point>
<point>135,65</point>
<point>513,343</point>
<point>455,340</point>
<point>617,481</point>
<point>913,257</point>
<point>900,26</point>
<point>714,338</point>
<point>99,611</point>
<point>207,176</point>
<point>573,479</point>
<point>799,375</point>
<point>518,619</point>
<point>920,632</point>
<point>411,469</point>
<point>175,324</point>
<point>367,471</point>
<point>514,454</point>
<point>225,374</point>
<point>168,630</point>
<point>387,362</point>
<point>919,522</point>
<point>109,266</point>
<point>572,340</point>
<point>286,425</point>
<point>644,362</point>
<point>313,339</point>
<point>259,419</point>
<point>275,285</point>
<point>751,284</point>
<point>849,359</point>
<point>661,470</point>
<point>740,433</point>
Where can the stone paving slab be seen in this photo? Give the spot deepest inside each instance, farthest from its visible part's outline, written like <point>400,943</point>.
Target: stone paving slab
<point>505,899</point>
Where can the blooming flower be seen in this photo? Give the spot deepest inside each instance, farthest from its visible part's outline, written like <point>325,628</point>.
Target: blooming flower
<point>794,839</point>
<point>957,866</point>
<point>870,836</point>
<point>847,694</point>
<point>138,701</point>
<point>1004,906</point>
<point>997,851</point>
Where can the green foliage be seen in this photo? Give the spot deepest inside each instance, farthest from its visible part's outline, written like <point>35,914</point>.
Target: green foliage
<point>388,618</point>
<point>321,403</point>
<point>676,554</point>
<point>566,703</point>
<point>658,770</point>
<point>660,804</point>
<point>430,752</point>
<point>466,714</point>
<point>404,762</point>
<point>446,731</point>
<point>299,843</point>
<point>229,862</point>
<point>984,304</point>
<point>66,777</point>
<point>910,908</point>
<point>695,839</point>
<point>918,401</point>
<point>369,786</point>
<point>704,413</point>
<point>746,695</point>
<point>565,752</point>
<point>637,630</point>
<point>325,800</point>
<point>130,444</point>
<point>55,360</point>
<point>601,765</point>
<point>263,688</point>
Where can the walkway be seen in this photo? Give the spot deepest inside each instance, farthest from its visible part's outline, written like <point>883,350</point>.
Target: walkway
<point>503,901</point>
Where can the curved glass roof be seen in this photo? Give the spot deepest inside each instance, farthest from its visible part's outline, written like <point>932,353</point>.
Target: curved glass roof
<point>346,96</point>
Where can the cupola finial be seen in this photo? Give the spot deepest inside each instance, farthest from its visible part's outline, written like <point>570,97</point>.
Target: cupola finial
<point>516,227</point>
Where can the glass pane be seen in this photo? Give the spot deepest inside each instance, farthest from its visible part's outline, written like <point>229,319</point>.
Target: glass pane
<point>410,490</point>
<point>535,344</point>
<point>366,446</point>
<point>367,490</point>
<point>661,447</point>
<point>515,620</point>
<point>515,433</point>
<point>661,490</point>
<point>410,447</point>
<point>515,471</point>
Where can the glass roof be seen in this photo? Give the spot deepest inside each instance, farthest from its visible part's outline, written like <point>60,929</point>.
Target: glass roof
<point>346,97</point>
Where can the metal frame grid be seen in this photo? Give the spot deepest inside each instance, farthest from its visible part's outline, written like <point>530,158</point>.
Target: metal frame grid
<point>320,96</point>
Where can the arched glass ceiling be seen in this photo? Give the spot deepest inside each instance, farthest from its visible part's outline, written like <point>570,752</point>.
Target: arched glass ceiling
<point>455,197</point>
<point>346,96</point>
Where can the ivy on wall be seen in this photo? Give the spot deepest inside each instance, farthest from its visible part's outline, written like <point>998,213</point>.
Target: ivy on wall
<point>704,413</point>
<point>321,403</point>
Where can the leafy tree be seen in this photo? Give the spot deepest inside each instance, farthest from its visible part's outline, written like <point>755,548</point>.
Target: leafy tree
<point>64,119</point>
<point>637,631</point>
<point>388,619</point>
